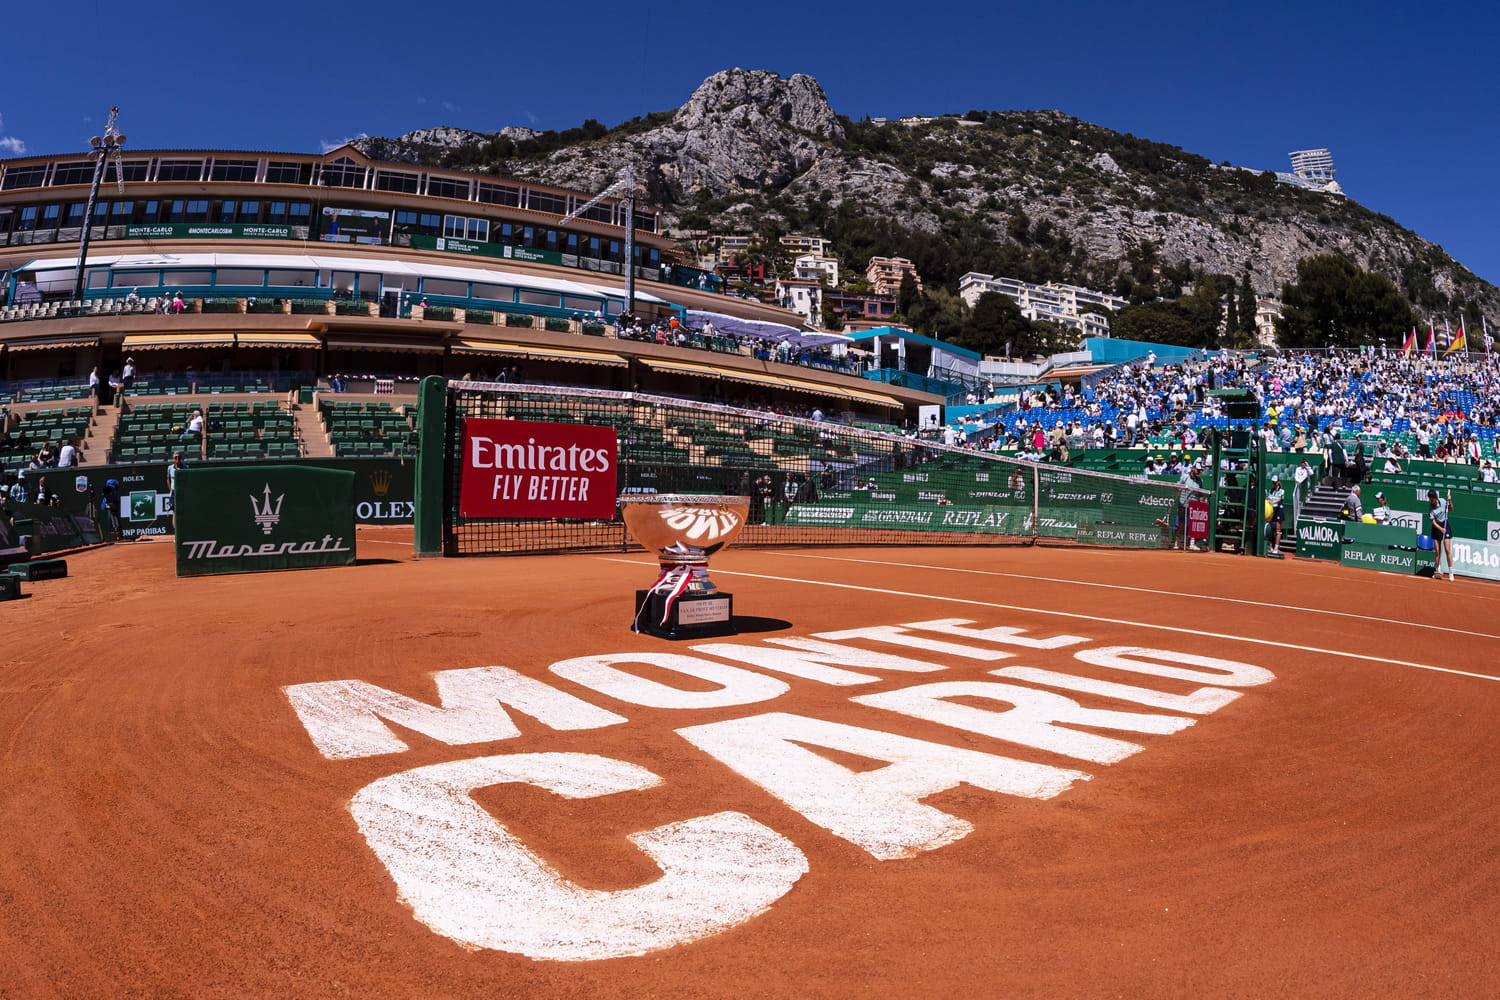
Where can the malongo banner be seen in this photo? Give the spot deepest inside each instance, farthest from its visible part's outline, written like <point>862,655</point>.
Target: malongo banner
<point>526,469</point>
<point>263,517</point>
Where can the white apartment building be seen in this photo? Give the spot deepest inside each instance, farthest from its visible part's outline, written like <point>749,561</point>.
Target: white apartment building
<point>1267,311</point>
<point>1053,301</point>
<point>800,243</point>
<point>885,274</point>
<point>803,296</point>
<point>813,267</point>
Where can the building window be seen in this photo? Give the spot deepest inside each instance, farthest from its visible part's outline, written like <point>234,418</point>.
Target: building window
<point>122,211</point>
<point>391,180</point>
<point>276,212</point>
<point>135,170</point>
<point>343,172</point>
<point>600,213</point>
<point>73,173</point>
<point>453,227</point>
<point>249,212</point>
<point>23,177</point>
<point>301,213</point>
<point>541,201</point>
<point>447,187</point>
<point>499,194</point>
<point>233,170</point>
<point>283,172</point>
<point>179,170</point>
<point>479,229</point>
<point>226,211</point>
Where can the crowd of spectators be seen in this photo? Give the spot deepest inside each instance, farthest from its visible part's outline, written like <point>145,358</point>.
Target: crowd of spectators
<point>1306,401</point>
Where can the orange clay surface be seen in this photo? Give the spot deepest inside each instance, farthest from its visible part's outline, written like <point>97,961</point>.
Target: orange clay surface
<point>169,828</point>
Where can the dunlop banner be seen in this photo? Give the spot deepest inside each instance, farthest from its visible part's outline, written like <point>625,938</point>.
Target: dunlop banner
<point>248,519</point>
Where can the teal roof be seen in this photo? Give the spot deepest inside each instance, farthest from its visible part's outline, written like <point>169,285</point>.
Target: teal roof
<point>891,331</point>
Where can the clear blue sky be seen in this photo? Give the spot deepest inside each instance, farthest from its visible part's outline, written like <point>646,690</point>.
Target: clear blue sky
<point>1405,96</point>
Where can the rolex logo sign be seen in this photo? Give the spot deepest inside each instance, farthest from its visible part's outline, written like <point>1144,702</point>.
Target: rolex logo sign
<point>380,482</point>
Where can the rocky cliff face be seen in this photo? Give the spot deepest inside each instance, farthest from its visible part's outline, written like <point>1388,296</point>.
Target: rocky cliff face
<point>749,147</point>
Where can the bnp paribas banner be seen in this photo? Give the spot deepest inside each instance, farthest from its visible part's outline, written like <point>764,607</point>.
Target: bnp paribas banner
<point>263,517</point>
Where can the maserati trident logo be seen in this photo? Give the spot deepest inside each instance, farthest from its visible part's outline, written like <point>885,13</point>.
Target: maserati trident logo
<point>267,515</point>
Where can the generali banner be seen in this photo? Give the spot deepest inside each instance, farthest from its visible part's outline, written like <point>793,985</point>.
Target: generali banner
<point>519,468</point>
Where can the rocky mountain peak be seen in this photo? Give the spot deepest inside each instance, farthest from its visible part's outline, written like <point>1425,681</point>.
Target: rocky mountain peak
<point>749,98</point>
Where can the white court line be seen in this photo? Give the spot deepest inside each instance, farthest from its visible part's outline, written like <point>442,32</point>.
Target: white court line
<point>1144,590</point>
<point>1083,617</point>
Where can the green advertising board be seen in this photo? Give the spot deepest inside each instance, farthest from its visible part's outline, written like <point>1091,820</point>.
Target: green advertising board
<point>984,520</point>
<point>1476,558</point>
<point>475,248</point>
<point>254,518</point>
<point>384,490</point>
<point>208,231</point>
<point>1319,538</point>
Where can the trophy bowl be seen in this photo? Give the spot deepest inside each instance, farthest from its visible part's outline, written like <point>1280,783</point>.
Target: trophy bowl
<point>683,530</point>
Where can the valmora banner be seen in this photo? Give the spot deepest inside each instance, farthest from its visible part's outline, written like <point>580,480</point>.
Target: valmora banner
<point>520,468</point>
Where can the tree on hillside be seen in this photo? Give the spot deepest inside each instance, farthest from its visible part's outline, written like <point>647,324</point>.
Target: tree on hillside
<point>1335,303</point>
<point>995,321</point>
<point>1158,322</point>
<point>939,314</point>
<point>907,296</point>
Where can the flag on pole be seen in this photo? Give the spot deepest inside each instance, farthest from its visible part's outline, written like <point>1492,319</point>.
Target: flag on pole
<point>1431,347</point>
<point>1488,340</point>
<point>1410,344</point>
<point>1458,343</point>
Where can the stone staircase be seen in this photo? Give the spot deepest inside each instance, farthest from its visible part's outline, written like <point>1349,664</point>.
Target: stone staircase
<point>311,436</point>
<point>103,430</point>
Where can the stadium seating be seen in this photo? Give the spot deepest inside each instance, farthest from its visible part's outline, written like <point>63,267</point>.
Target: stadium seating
<point>371,428</point>
<point>150,432</point>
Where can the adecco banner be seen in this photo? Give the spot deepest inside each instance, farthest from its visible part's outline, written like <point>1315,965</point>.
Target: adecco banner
<point>519,468</point>
<point>251,518</point>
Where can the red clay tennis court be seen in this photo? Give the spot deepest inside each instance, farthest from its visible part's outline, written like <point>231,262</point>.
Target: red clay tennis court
<point>1280,782</point>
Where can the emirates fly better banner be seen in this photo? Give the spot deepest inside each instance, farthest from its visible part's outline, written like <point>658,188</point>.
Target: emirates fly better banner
<point>519,468</point>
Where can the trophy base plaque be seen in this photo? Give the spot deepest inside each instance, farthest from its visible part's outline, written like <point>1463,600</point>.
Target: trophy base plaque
<point>691,616</point>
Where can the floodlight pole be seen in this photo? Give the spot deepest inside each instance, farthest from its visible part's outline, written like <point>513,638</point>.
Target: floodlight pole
<point>111,142</point>
<point>630,240</point>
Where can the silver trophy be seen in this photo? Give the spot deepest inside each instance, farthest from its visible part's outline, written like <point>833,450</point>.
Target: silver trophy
<point>683,530</point>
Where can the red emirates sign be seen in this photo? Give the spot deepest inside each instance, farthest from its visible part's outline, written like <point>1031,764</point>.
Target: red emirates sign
<point>516,468</point>
<point>1197,518</point>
